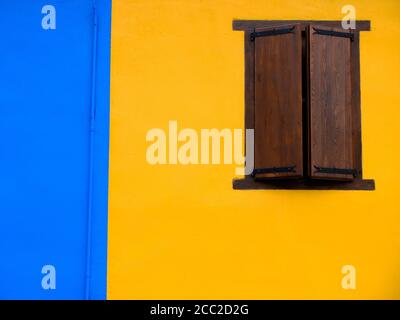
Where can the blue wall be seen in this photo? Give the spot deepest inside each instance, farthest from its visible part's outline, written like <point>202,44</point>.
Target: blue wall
<point>47,97</point>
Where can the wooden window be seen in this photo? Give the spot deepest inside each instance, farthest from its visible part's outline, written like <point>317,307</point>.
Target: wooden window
<point>302,98</point>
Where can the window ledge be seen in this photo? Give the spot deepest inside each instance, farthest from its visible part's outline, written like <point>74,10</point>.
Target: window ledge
<point>249,183</point>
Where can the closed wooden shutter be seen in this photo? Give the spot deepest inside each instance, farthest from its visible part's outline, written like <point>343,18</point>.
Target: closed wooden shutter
<point>330,121</point>
<point>278,102</point>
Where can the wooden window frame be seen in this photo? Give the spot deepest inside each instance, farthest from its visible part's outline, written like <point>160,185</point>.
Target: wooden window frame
<point>248,182</point>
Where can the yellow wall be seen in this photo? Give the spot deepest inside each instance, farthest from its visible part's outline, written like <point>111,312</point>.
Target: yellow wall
<point>181,231</point>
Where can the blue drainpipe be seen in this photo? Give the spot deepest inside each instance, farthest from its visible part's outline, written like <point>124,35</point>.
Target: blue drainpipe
<point>91,159</point>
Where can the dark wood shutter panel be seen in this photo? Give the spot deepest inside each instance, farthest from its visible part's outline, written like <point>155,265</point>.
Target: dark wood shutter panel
<point>278,102</point>
<point>330,110</point>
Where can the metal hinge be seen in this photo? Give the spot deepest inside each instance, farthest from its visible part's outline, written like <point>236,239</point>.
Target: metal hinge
<point>334,33</point>
<point>272,32</point>
<point>353,172</point>
<point>274,170</point>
